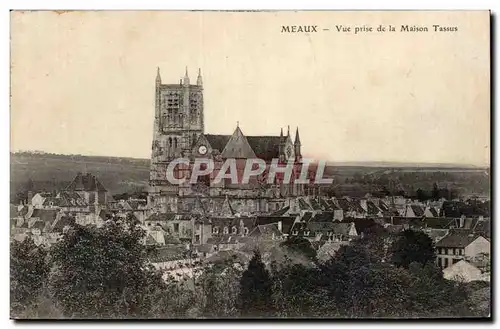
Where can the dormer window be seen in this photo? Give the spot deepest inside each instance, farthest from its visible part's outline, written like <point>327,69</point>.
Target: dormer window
<point>215,230</point>
<point>245,230</point>
<point>295,232</point>
<point>226,230</point>
<point>234,230</point>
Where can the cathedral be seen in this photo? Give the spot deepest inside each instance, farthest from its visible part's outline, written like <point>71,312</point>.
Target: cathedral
<point>179,132</point>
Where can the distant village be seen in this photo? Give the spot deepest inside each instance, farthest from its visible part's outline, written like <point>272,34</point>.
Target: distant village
<point>459,229</point>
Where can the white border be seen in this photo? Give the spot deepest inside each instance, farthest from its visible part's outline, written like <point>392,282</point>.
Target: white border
<point>191,5</point>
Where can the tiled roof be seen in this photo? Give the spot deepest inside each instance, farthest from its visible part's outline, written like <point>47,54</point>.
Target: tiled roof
<point>45,215</point>
<point>86,182</point>
<point>303,205</point>
<point>68,199</point>
<point>314,204</point>
<point>238,147</point>
<point>325,216</point>
<point>484,227</point>
<point>436,234</point>
<point>433,211</point>
<point>307,216</point>
<point>267,229</point>
<point>168,254</point>
<point>372,208</point>
<point>204,248</point>
<point>417,210</point>
<point>218,142</point>
<point>265,147</point>
<point>160,217</point>
<point>281,211</point>
<point>457,238</point>
<point>438,223</point>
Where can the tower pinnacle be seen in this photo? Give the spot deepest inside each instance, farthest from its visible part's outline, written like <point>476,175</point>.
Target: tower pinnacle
<point>199,81</point>
<point>186,78</point>
<point>158,77</point>
<point>297,137</point>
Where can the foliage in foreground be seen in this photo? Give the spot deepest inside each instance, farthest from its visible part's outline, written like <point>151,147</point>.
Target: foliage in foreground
<point>104,273</point>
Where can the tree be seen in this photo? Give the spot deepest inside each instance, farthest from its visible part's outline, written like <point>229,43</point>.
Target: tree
<point>255,297</point>
<point>301,246</point>
<point>412,246</point>
<point>104,273</point>
<point>28,273</point>
<point>435,192</point>
<point>421,195</point>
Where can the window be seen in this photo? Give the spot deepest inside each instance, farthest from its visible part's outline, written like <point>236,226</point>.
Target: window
<point>306,233</point>
<point>215,230</point>
<point>245,230</point>
<point>234,230</point>
<point>445,262</point>
<point>226,230</point>
<point>295,233</point>
<point>176,227</point>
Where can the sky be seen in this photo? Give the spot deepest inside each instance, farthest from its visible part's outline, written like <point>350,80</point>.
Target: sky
<point>83,82</point>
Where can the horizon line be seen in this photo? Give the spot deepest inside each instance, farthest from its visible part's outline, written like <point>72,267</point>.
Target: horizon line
<point>327,160</point>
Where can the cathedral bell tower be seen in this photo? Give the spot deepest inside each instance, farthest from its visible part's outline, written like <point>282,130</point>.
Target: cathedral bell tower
<point>178,123</point>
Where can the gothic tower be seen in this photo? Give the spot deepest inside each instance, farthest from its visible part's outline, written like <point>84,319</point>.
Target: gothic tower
<point>178,123</point>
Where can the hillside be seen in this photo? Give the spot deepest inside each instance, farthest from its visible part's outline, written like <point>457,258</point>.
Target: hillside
<point>127,175</point>
<point>55,171</point>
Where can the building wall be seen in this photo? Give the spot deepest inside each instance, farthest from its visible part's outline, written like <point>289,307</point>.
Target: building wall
<point>480,245</point>
<point>462,271</point>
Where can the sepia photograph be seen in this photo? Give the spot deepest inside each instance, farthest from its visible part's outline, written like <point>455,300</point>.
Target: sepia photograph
<point>250,165</point>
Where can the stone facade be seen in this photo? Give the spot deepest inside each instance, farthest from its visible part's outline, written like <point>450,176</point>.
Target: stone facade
<point>179,133</point>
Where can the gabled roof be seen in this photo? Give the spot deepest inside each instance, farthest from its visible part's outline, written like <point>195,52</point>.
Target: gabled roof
<point>307,216</point>
<point>281,211</point>
<point>325,216</point>
<point>68,199</point>
<point>483,227</point>
<point>433,211</point>
<point>218,142</point>
<point>45,215</point>
<point>417,210</point>
<point>438,223</point>
<point>267,229</point>
<point>372,208</point>
<point>265,147</point>
<point>303,205</point>
<point>86,182</point>
<point>314,204</point>
<point>160,217</point>
<point>457,238</point>
<point>238,147</point>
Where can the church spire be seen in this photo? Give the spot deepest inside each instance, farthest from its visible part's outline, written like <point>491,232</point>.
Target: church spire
<point>297,146</point>
<point>199,81</point>
<point>281,134</point>
<point>297,137</point>
<point>288,132</point>
<point>186,78</point>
